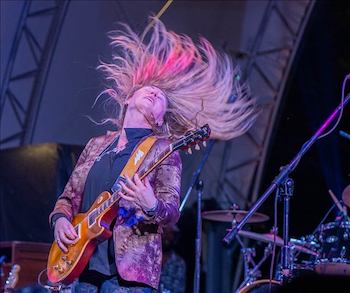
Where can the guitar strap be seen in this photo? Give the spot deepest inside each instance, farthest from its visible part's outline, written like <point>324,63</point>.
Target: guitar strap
<point>135,160</point>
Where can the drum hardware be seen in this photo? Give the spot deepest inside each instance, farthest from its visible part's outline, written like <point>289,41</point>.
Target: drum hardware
<point>285,191</point>
<point>329,246</point>
<point>248,255</point>
<point>251,274</point>
<point>308,241</point>
<point>296,268</point>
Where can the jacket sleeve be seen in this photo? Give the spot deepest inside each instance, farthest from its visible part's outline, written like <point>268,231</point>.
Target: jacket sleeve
<point>167,185</point>
<point>68,203</point>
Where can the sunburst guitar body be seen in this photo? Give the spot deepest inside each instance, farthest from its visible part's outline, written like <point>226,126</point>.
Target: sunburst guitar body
<point>65,267</point>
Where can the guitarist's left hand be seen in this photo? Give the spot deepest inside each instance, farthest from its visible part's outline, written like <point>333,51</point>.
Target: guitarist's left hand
<point>140,193</point>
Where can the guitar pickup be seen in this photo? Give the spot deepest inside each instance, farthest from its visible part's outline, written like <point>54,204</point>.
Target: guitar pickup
<point>116,187</point>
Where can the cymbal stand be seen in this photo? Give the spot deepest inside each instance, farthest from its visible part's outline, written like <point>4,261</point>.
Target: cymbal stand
<point>251,274</point>
<point>248,254</point>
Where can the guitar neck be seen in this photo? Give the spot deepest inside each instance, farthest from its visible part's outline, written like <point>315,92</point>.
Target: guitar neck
<point>160,158</point>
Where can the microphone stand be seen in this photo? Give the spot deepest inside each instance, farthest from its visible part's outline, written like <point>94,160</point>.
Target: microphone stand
<point>196,173</point>
<point>199,185</point>
<point>283,175</point>
<point>197,274</point>
<point>285,192</point>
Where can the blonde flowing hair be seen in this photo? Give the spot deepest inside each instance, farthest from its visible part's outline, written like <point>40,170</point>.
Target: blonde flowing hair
<point>198,81</point>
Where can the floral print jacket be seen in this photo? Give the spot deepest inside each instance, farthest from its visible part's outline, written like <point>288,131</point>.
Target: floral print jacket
<point>138,251</point>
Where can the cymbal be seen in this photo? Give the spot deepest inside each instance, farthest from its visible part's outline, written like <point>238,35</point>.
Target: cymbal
<point>346,196</point>
<point>269,237</point>
<point>230,215</point>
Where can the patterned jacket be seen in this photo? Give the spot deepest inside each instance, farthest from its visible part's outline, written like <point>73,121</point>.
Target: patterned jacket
<point>138,251</point>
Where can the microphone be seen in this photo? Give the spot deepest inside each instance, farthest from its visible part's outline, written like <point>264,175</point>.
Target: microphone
<point>344,134</point>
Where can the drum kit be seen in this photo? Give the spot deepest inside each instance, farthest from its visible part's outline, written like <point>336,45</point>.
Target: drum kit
<point>324,252</point>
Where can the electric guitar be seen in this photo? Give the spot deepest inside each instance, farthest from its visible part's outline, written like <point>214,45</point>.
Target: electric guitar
<point>12,279</point>
<point>93,226</point>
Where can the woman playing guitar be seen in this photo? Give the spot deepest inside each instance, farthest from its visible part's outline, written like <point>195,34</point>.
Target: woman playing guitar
<point>161,88</point>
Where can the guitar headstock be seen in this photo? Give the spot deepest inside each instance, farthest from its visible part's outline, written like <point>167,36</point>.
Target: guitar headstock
<point>191,138</point>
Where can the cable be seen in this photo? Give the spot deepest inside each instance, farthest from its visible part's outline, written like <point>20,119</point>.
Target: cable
<point>52,287</point>
<point>275,229</point>
<point>159,14</point>
<point>347,77</point>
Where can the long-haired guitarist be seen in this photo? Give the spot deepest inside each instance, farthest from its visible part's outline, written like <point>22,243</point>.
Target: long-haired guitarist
<point>161,87</point>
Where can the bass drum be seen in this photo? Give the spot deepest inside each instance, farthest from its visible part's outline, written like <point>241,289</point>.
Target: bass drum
<point>261,286</point>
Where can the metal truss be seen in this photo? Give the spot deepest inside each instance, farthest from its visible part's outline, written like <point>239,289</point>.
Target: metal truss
<point>27,68</point>
<point>266,67</point>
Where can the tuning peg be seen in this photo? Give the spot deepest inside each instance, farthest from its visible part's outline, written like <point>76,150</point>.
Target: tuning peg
<point>204,143</point>
<point>189,151</point>
<point>197,147</point>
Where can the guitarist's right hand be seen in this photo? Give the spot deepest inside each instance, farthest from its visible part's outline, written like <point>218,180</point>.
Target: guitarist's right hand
<point>64,234</point>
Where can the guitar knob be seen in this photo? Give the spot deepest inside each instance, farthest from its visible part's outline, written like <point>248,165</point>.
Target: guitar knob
<point>58,269</point>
